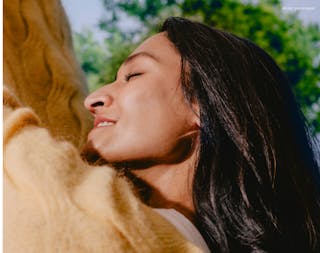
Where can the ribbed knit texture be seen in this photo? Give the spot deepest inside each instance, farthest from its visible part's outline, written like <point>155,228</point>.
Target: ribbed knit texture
<point>55,202</point>
<point>40,66</point>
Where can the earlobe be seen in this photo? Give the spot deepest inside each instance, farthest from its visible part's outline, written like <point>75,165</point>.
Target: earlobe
<point>198,122</point>
<point>196,114</point>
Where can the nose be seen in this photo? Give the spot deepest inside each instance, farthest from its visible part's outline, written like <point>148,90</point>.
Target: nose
<point>98,99</point>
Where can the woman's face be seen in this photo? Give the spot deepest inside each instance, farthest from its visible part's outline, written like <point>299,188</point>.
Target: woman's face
<point>142,115</point>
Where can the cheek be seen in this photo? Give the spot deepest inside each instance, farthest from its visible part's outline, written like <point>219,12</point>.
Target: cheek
<point>142,116</point>
<point>142,104</point>
<point>152,122</point>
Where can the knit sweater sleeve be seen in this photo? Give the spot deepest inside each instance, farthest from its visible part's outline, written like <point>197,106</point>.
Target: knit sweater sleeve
<point>55,202</point>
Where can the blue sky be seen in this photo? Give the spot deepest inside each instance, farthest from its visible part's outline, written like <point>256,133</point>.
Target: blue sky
<point>84,13</point>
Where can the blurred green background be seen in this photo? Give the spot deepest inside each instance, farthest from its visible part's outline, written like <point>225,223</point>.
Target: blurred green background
<point>293,44</point>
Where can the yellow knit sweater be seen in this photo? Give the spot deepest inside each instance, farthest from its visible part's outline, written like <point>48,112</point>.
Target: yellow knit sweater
<point>40,66</point>
<point>55,202</point>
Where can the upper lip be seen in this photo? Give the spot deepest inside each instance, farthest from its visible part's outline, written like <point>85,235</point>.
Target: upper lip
<point>99,119</point>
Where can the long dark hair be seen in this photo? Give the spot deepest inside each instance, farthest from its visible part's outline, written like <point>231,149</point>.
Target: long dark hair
<point>256,185</point>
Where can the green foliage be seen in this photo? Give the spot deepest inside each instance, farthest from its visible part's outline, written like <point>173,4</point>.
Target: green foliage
<point>92,56</point>
<point>294,46</point>
<point>119,48</point>
<point>101,60</point>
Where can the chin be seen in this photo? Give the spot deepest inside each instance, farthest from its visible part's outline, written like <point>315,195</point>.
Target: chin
<point>91,155</point>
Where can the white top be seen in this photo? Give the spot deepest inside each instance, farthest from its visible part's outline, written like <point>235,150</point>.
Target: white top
<point>184,226</point>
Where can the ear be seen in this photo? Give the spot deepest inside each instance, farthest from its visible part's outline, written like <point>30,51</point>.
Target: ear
<point>196,114</point>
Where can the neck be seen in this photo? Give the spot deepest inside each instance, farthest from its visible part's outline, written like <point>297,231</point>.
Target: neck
<point>171,185</point>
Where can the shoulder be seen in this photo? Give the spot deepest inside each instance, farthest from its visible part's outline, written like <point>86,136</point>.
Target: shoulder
<point>184,226</point>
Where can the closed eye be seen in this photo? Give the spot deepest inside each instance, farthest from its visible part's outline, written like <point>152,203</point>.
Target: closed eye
<point>130,75</point>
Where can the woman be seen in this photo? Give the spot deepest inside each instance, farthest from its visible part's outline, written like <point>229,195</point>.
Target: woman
<point>207,120</point>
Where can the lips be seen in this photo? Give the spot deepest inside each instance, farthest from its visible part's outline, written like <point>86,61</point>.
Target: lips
<point>102,122</point>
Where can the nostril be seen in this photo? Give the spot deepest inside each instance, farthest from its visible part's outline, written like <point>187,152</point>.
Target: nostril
<point>96,101</point>
<point>96,104</point>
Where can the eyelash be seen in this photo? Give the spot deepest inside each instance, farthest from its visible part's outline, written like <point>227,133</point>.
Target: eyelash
<point>130,75</point>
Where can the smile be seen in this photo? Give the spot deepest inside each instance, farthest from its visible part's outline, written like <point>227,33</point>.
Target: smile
<point>105,123</point>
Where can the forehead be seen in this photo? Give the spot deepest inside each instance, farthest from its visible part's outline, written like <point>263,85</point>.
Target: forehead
<point>161,48</point>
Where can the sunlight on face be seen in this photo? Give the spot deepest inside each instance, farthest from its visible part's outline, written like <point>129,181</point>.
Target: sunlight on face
<point>143,115</point>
